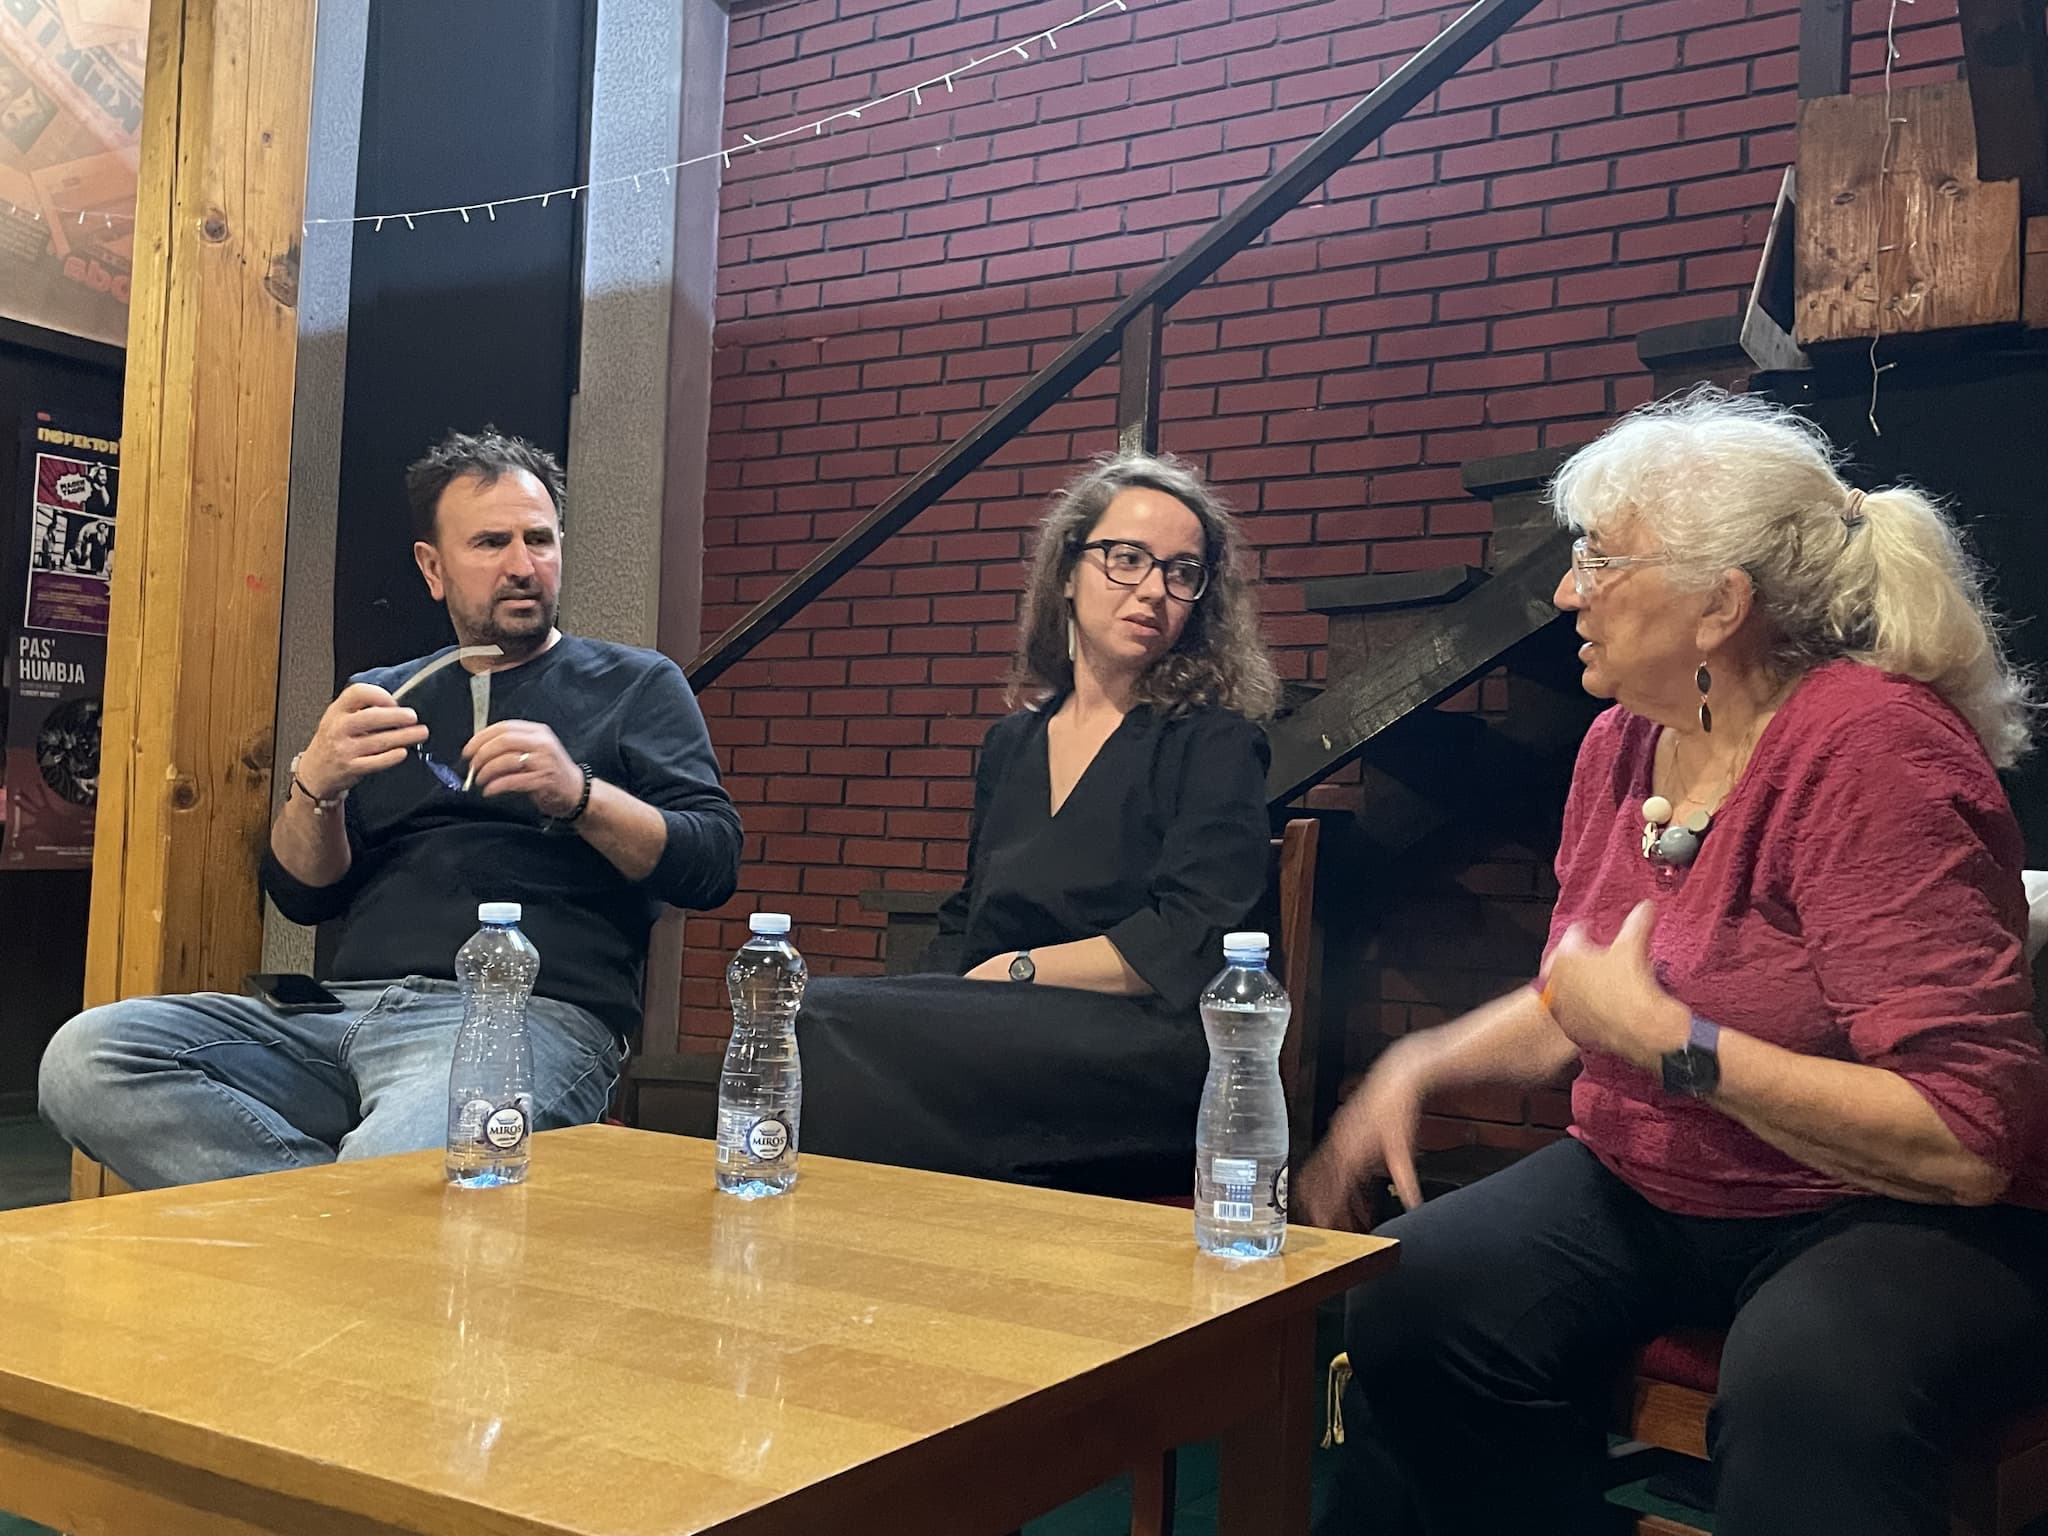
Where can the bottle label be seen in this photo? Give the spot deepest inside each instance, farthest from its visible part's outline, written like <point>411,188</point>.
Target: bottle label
<point>768,1139</point>
<point>1280,1191</point>
<point>506,1128</point>
<point>1234,1178</point>
<point>744,1138</point>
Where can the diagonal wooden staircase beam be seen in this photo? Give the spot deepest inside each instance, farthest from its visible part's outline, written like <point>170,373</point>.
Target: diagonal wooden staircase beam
<point>1466,639</point>
<point>1463,40</point>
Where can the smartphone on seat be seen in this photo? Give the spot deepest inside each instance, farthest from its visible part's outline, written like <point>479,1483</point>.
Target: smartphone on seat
<point>292,993</point>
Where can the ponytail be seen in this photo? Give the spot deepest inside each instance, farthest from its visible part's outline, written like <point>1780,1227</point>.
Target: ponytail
<point>1908,598</point>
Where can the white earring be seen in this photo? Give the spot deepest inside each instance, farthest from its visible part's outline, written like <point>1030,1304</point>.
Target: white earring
<point>1070,637</point>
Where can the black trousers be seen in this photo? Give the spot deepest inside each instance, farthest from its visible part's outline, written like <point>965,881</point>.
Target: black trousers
<point>1030,1085</point>
<point>1864,1342</point>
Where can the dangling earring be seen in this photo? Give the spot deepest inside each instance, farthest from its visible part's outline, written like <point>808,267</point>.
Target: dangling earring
<point>1070,634</point>
<point>1703,680</point>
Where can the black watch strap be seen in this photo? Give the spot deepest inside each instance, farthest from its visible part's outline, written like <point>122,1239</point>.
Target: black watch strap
<point>1694,1070</point>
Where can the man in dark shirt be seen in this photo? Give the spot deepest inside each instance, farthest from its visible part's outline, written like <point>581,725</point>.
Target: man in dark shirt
<point>572,776</point>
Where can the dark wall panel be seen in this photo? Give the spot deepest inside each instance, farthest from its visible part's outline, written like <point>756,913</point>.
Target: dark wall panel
<point>1967,427</point>
<point>452,324</point>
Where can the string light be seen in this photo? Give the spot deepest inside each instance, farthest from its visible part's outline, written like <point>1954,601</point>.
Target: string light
<point>35,215</point>
<point>815,127</point>
<point>1879,248</point>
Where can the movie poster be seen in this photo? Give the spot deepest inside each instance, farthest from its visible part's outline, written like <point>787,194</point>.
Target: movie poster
<point>70,137</point>
<point>56,658</point>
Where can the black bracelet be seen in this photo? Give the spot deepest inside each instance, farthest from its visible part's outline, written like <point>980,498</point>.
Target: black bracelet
<point>558,823</point>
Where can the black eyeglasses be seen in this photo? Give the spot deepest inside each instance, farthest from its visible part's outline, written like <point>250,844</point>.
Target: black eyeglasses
<point>1129,564</point>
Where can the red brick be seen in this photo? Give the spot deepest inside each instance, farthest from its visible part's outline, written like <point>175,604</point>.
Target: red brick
<point>1482,373</point>
<point>1688,163</point>
<point>1623,137</point>
<point>1422,554</point>
<point>1678,16</point>
<point>1751,189</point>
<point>1616,284</point>
<point>1495,156</point>
<point>1588,250</point>
<point>1430,411</point>
<point>1365,524</point>
<point>1585,398</point>
<point>1551,329</point>
<point>1655,56</point>
<point>1550,186</point>
<point>1496,299</point>
<point>1436,272</point>
<point>1638,207</point>
<point>1772,34</point>
<point>1431,341</point>
<point>1723,82</point>
<point>1486,229</point>
<point>1560,108</point>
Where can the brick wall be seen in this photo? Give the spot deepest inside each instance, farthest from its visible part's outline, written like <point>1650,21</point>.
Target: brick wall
<point>1470,287</point>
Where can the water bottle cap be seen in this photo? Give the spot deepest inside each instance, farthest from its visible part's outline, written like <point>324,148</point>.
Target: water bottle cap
<point>498,912</point>
<point>768,922</point>
<point>1246,944</point>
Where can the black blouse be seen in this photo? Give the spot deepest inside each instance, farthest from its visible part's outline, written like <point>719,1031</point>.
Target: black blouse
<point>1161,847</point>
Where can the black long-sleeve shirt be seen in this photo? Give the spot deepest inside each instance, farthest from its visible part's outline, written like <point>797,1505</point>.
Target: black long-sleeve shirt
<point>1161,847</point>
<point>425,853</point>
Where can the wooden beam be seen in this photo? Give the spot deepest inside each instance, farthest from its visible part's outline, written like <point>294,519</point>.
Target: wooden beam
<point>2005,58</point>
<point>1825,30</point>
<point>1914,244</point>
<point>192,652</point>
<point>1138,381</point>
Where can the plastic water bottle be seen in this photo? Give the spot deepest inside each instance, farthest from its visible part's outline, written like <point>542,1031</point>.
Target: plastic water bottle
<point>1241,1138</point>
<point>761,1090</point>
<point>490,1086</point>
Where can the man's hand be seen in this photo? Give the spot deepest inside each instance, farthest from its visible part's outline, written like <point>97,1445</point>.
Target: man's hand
<point>362,732</point>
<point>522,758</point>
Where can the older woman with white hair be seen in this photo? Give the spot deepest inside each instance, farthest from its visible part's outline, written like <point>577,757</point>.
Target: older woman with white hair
<point>1786,960</point>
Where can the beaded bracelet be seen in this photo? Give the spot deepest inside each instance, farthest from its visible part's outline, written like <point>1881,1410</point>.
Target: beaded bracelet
<point>563,823</point>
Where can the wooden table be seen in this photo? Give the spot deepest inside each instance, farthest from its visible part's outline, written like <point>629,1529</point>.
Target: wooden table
<point>615,1349</point>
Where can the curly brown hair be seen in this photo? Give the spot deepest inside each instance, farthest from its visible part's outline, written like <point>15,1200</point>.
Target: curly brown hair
<point>1220,658</point>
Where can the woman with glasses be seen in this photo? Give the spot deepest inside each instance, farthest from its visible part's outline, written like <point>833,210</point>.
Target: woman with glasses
<point>1119,829</point>
<point>1787,965</point>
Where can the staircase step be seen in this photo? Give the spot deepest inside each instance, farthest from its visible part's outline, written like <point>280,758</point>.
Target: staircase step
<point>1390,589</point>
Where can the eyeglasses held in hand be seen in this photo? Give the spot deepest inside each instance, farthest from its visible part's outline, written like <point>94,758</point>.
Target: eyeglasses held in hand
<point>1129,564</point>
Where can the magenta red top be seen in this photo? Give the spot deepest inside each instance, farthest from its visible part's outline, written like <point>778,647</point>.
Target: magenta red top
<point>1858,896</point>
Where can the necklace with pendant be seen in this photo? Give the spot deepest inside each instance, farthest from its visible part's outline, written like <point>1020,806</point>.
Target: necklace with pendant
<point>1670,845</point>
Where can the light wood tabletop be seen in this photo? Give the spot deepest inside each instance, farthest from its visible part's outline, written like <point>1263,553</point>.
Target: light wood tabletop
<point>614,1348</point>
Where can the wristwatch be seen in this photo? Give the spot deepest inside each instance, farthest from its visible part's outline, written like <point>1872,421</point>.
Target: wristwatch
<point>1021,968</point>
<point>1694,1070</point>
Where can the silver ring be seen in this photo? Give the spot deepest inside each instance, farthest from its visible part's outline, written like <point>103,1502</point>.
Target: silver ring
<point>523,757</point>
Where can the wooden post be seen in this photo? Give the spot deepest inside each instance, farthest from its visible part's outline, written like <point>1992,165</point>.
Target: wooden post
<point>1826,28</point>
<point>206,437</point>
<point>1138,383</point>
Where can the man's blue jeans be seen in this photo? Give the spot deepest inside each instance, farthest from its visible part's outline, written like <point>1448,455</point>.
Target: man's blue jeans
<point>175,1090</point>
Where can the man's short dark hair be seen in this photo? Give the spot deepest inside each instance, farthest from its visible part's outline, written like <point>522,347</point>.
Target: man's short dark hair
<point>485,455</point>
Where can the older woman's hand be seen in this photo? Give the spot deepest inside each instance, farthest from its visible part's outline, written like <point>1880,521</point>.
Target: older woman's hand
<point>1608,999</point>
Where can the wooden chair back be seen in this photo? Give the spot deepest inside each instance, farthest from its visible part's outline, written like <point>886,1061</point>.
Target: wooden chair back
<point>1287,913</point>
